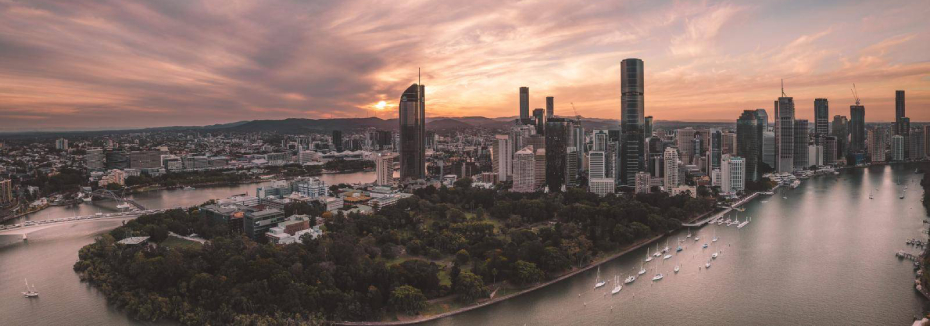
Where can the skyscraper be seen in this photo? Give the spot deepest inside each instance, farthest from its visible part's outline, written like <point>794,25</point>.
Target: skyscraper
<point>597,165</point>
<point>524,170</point>
<point>714,149</point>
<point>412,118</point>
<point>524,104</point>
<point>877,145</point>
<point>671,168</point>
<point>801,142</point>
<point>733,172</point>
<point>899,112</point>
<point>829,150</point>
<point>856,128</point>
<point>558,134</point>
<point>685,142</point>
<point>550,106</point>
<point>749,145</point>
<point>337,140</point>
<point>539,118</point>
<point>841,132</point>
<point>897,148</point>
<point>632,120</point>
<point>6,191</point>
<point>539,171</point>
<point>647,127</point>
<point>768,149</point>
<point>784,134</point>
<point>763,119</point>
<point>502,157</point>
<point>821,117</point>
<point>384,166</point>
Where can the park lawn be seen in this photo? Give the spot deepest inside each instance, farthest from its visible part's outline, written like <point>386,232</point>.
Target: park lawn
<point>173,242</point>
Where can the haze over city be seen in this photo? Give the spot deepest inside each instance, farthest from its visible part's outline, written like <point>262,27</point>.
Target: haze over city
<point>75,65</point>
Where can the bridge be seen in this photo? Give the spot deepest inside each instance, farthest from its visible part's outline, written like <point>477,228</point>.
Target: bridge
<point>111,195</point>
<point>33,226</point>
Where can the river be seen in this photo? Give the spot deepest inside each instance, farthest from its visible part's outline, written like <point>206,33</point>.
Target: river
<point>824,255</point>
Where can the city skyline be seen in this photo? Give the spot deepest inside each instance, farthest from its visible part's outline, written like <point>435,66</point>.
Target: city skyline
<point>152,64</point>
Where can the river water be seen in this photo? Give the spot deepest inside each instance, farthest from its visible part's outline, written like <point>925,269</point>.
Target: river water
<point>824,255</point>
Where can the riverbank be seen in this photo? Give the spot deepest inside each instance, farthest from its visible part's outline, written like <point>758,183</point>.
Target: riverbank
<point>489,302</point>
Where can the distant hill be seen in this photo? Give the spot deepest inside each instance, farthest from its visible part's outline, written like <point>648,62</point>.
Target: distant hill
<point>447,124</point>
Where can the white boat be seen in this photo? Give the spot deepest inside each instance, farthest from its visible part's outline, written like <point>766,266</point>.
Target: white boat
<point>631,278</point>
<point>123,206</point>
<point>696,239</point>
<point>642,270</point>
<point>657,253</point>
<point>707,264</point>
<point>658,276</point>
<point>667,257</point>
<point>618,287</point>
<point>714,256</point>
<point>666,246</point>
<point>746,222</point>
<point>677,268</point>
<point>715,238</point>
<point>598,283</point>
<point>648,257</point>
<point>689,233</point>
<point>795,184</point>
<point>30,292</point>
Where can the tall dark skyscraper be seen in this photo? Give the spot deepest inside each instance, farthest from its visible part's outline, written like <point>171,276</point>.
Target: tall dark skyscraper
<point>337,140</point>
<point>524,104</point>
<point>841,132</point>
<point>763,119</point>
<point>412,117</point>
<point>902,123</point>
<point>784,134</point>
<point>898,112</point>
<point>550,106</point>
<point>558,136</point>
<point>856,128</point>
<point>632,120</point>
<point>749,142</point>
<point>647,127</point>
<point>801,142</point>
<point>821,117</point>
<point>539,118</point>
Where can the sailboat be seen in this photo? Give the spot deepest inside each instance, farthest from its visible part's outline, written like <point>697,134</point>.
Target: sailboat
<point>618,287</point>
<point>666,246</point>
<point>679,249</point>
<point>689,233</point>
<point>716,251</point>
<point>657,253</point>
<point>715,237</point>
<point>707,264</point>
<point>705,246</point>
<point>642,270</point>
<point>648,257</point>
<point>631,278</point>
<point>30,293</point>
<point>598,283</point>
<point>658,276</point>
<point>677,268</point>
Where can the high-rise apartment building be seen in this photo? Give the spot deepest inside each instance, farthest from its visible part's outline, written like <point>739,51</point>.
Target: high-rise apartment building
<point>539,170</point>
<point>632,120</point>
<point>539,119</point>
<point>647,126</point>
<point>412,117</point>
<point>384,167</point>
<point>877,145</point>
<point>671,168</point>
<point>597,165</point>
<point>502,157</point>
<point>917,145</point>
<point>337,141</point>
<point>524,170</point>
<point>94,159</point>
<point>763,119</point>
<point>733,172</point>
<point>899,128</point>
<point>829,150</point>
<point>714,151</point>
<point>685,142</point>
<point>524,104</point>
<point>61,144</point>
<point>897,148</point>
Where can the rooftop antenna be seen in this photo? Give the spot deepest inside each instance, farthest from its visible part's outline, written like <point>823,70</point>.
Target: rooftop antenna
<point>783,88</point>
<point>855,93</point>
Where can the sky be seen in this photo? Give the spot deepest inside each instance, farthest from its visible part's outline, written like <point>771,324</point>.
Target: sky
<point>104,64</point>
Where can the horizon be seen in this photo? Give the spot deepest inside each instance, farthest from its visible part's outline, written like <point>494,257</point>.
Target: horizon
<point>81,66</point>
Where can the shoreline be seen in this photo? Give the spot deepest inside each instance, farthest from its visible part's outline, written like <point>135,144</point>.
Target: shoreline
<point>563,277</point>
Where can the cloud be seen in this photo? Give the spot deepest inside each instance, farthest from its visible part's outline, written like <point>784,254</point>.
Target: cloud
<point>91,63</point>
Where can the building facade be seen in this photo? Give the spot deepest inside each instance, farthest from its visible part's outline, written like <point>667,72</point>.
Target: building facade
<point>412,118</point>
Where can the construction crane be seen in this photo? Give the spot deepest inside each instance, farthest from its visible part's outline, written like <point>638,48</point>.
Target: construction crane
<point>577,116</point>
<point>855,93</point>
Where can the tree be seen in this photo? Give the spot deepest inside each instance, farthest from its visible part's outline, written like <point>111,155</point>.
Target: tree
<point>470,287</point>
<point>407,299</point>
<point>526,273</point>
<point>462,257</point>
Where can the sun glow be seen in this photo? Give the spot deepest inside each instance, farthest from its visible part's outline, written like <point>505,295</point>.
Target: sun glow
<point>380,105</point>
